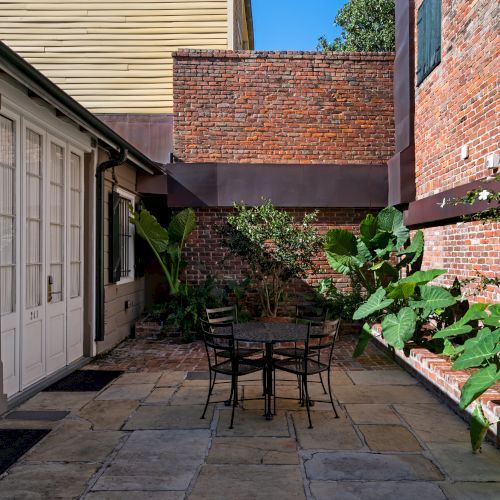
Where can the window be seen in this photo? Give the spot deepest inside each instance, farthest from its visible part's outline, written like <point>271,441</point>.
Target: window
<point>429,38</point>
<point>121,237</point>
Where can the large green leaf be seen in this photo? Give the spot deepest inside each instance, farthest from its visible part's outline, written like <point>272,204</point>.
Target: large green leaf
<point>150,229</point>
<point>340,242</point>
<point>343,264</point>
<point>181,226</point>
<point>368,227</point>
<point>493,321</point>
<point>479,425</point>
<point>432,298</point>
<point>478,350</point>
<point>402,290</point>
<point>383,268</point>
<point>423,277</point>
<point>413,251</point>
<point>376,302</point>
<point>452,331</point>
<point>494,309</point>
<point>478,383</point>
<point>390,220</point>
<point>475,312</point>
<point>398,329</point>
<point>364,337</point>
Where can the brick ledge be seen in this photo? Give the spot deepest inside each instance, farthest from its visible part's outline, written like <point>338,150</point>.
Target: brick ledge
<point>436,371</point>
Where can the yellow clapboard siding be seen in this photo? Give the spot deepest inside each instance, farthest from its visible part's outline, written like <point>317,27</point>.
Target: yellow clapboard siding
<point>113,56</point>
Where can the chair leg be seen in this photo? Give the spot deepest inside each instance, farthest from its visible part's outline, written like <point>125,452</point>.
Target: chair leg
<point>234,390</point>
<point>322,383</point>
<point>306,390</point>
<point>330,393</point>
<point>210,389</point>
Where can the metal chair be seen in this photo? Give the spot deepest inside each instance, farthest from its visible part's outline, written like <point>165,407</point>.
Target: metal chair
<point>310,363</point>
<point>224,358</point>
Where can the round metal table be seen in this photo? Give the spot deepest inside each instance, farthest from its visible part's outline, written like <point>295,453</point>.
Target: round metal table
<point>270,334</point>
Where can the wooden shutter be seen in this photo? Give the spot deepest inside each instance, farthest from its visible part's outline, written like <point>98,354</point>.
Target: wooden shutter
<point>429,38</point>
<point>114,237</point>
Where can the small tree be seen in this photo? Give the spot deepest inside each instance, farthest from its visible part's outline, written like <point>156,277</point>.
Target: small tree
<point>367,26</point>
<point>276,247</point>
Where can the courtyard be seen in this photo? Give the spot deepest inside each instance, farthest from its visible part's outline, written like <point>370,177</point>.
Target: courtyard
<point>141,436</point>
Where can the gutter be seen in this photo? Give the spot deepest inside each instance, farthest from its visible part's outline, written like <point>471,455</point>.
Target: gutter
<point>14,65</point>
<point>99,244</point>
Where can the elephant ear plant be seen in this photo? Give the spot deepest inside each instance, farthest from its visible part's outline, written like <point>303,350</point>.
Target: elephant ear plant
<point>413,312</point>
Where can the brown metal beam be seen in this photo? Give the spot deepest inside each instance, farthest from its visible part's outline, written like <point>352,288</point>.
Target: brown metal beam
<point>292,185</point>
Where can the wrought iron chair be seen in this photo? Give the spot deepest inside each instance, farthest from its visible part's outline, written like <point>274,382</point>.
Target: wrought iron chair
<point>224,358</point>
<point>309,361</point>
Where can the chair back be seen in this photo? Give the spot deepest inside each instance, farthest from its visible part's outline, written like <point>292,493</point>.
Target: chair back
<point>309,312</point>
<point>217,343</point>
<point>321,338</point>
<point>222,315</point>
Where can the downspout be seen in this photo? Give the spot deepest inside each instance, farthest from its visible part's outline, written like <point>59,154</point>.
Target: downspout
<point>99,223</point>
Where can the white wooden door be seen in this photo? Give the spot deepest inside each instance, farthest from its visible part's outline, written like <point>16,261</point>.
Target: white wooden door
<point>56,258</point>
<point>33,364</point>
<point>9,250</point>
<point>75,256</point>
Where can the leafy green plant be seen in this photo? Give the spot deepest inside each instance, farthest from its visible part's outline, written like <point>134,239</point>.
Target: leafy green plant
<point>166,243</point>
<point>337,303</point>
<point>482,194</point>
<point>275,246</point>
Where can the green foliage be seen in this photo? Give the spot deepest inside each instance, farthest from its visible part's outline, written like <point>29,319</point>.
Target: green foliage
<point>336,303</point>
<point>399,328</point>
<point>275,246</point>
<point>482,194</point>
<point>367,26</point>
<point>364,339</point>
<point>479,425</point>
<point>376,302</point>
<point>166,244</point>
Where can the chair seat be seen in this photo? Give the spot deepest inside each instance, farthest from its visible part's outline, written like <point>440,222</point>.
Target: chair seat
<point>242,352</point>
<point>297,366</point>
<point>289,352</point>
<point>225,367</point>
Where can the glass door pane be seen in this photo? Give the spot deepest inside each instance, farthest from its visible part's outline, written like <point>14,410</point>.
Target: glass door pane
<point>76,226</point>
<point>34,200</point>
<point>7,216</point>
<point>56,222</point>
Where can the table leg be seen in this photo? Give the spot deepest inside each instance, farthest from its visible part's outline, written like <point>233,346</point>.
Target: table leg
<point>269,381</point>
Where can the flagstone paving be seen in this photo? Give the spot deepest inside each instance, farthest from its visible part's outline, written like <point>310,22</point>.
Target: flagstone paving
<point>142,437</point>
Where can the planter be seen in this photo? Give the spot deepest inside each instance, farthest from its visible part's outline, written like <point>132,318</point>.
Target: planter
<point>436,373</point>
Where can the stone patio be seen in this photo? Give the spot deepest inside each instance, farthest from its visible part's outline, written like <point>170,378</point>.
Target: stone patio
<point>141,437</point>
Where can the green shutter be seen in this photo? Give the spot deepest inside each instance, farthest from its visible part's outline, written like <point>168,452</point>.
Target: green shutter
<point>429,38</point>
<point>114,237</point>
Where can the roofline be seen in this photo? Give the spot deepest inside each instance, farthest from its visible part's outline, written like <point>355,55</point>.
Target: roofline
<point>22,71</point>
<point>249,19</point>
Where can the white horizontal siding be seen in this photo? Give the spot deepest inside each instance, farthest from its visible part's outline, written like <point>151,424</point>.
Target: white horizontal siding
<point>112,56</point>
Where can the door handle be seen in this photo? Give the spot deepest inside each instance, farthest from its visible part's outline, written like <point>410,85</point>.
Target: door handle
<point>49,288</point>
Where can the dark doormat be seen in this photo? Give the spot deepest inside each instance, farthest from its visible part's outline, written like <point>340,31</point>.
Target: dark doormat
<point>14,443</point>
<point>47,415</point>
<point>84,381</point>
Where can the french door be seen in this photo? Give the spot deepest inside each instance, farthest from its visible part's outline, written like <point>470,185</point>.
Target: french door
<point>41,224</point>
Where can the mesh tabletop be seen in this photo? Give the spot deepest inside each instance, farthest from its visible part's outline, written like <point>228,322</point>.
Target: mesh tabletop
<point>270,333</point>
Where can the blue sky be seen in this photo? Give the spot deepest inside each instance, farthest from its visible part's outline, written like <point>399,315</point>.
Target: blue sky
<point>293,24</point>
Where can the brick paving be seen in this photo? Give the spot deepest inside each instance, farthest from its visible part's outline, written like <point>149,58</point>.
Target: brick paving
<point>138,355</point>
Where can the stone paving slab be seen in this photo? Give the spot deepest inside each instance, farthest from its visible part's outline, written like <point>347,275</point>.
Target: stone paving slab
<point>434,423</point>
<point>458,461</point>
<point>171,378</point>
<point>382,377</point>
<point>389,438</point>
<point>126,392</point>
<point>248,482</point>
<point>169,417</point>
<point>47,481</point>
<point>58,401</point>
<point>383,394</point>
<point>472,491</point>
<point>71,446</point>
<point>138,378</point>
<point>249,423</point>
<point>374,490</point>
<point>161,395</point>
<point>361,466</point>
<point>198,395</point>
<point>156,460</point>
<point>253,451</point>
<point>135,495</point>
<point>372,414</point>
<point>107,415</point>
<point>328,432</point>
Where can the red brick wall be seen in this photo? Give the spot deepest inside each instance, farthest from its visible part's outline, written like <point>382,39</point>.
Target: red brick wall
<point>458,103</point>
<point>283,107</point>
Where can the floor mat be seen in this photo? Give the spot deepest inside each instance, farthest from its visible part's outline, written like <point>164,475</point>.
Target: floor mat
<point>14,443</point>
<point>84,381</point>
<point>47,415</point>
